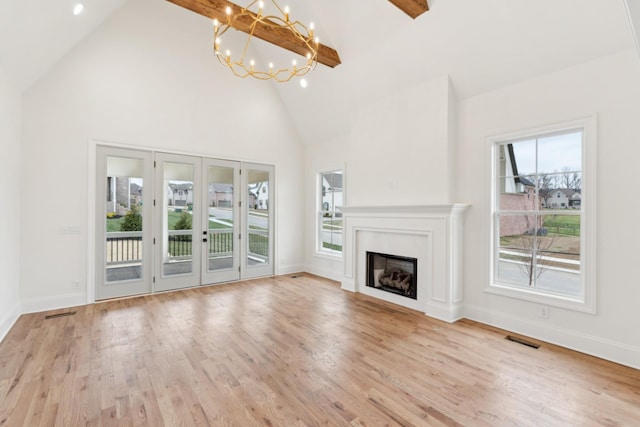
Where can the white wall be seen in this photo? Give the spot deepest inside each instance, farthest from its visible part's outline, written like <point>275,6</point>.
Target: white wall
<point>148,78</point>
<point>610,88</point>
<point>397,152</point>
<point>10,113</point>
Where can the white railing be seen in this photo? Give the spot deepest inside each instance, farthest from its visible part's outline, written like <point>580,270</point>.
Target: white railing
<point>126,246</point>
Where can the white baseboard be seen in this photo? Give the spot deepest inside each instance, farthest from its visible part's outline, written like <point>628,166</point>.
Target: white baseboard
<point>36,305</point>
<point>444,312</point>
<point>290,269</point>
<point>8,320</point>
<point>348,284</point>
<point>617,352</point>
<point>324,272</point>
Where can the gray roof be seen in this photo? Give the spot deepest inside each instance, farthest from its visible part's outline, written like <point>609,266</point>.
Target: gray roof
<point>334,180</point>
<point>221,188</point>
<point>181,187</point>
<point>574,194</point>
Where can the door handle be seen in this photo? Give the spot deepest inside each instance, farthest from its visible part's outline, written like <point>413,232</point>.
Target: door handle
<point>204,240</point>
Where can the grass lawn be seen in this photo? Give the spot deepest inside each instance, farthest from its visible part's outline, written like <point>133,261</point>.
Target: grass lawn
<point>568,225</point>
<point>332,246</point>
<point>113,224</point>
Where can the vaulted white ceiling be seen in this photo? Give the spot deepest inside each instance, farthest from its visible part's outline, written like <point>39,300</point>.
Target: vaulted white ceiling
<point>481,45</point>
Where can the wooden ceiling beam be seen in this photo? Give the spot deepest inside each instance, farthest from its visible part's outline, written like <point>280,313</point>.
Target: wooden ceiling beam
<point>413,8</point>
<point>279,36</point>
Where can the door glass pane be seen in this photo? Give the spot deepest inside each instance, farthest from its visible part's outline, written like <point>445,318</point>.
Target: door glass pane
<point>258,217</point>
<point>123,224</point>
<point>221,219</point>
<point>177,222</point>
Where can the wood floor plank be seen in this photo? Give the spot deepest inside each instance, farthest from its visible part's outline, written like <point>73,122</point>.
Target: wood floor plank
<point>293,352</point>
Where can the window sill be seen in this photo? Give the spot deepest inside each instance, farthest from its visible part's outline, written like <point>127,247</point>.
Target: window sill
<point>566,302</point>
<point>330,255</point>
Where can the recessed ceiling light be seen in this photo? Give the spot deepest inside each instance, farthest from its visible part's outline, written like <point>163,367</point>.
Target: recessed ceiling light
<point>77,9</point>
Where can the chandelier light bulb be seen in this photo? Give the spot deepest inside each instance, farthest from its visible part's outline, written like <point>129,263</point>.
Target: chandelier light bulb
<point>228,10</point>
<point>216,23</point>
<point>294,62</point>
<point>261,5</point>
<point>303,83</point>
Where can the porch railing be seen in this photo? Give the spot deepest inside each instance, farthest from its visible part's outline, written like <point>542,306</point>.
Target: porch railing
<point>126,247</point>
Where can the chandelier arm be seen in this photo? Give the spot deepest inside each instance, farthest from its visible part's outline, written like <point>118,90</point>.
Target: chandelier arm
<point>246,45</point>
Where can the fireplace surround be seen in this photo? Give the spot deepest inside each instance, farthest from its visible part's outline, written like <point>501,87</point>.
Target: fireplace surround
<point>432,234</point>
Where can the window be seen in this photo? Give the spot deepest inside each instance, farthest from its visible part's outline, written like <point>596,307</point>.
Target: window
<point>330,200</point>
<point>538,244</point>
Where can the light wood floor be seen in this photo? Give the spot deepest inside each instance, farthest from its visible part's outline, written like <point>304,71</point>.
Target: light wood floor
<point>294,352</point>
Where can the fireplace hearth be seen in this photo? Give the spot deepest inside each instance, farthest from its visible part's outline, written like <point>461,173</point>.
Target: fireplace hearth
<point>393,273</point>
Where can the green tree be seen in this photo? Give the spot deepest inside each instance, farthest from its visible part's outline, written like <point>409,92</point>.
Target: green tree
<point>132,220</point>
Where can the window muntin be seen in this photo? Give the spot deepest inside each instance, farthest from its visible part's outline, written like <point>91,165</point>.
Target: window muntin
<point>538,215</point>
<point>331,196</point>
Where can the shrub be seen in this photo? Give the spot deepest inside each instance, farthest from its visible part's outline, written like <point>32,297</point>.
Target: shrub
<point>184,223</point>
<point>132,220</point>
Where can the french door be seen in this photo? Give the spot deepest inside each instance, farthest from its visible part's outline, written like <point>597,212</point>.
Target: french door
<point>124,238</point>
<point>202,221</point>
<point>222,231</point>
<point>178,206</point>
<point>257,217</point>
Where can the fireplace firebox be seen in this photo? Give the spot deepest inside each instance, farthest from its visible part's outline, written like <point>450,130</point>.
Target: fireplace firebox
<point>393,273</point>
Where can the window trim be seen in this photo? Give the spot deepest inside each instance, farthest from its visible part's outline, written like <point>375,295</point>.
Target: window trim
<point>587,303</point>
<point>320,250</point>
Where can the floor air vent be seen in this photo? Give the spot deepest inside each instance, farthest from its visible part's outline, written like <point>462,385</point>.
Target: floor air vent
<point>522,341</point>
<point>295,276</point>
<point>53,316</point>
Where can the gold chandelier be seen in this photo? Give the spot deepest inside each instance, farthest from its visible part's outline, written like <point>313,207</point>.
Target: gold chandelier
<point>272,23</point>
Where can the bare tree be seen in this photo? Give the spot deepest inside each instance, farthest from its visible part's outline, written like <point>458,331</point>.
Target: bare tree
<point>535,242</point>
<point>571,180</point>
<point>528,248</point>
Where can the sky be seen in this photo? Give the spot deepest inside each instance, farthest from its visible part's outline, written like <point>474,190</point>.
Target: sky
<point>554,153</point>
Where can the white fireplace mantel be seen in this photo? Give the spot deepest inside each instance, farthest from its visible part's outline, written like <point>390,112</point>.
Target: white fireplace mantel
<point>430,233</point>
